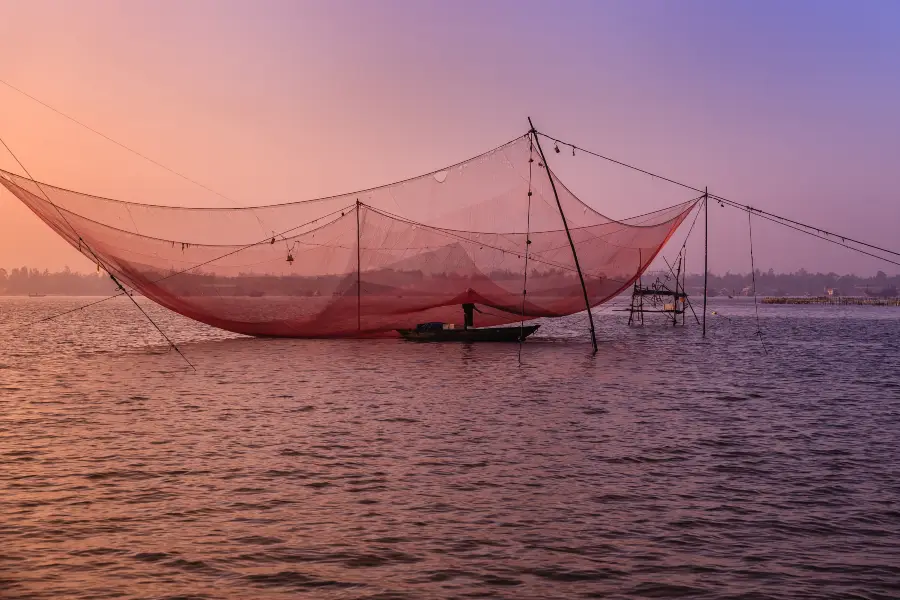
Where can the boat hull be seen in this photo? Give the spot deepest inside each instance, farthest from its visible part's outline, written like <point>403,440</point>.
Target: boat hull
<point>487,334</point>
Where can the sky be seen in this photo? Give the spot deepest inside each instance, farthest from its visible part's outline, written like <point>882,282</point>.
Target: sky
<point>788,106</point>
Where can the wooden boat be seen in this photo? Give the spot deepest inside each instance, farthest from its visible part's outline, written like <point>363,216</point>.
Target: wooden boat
<point>36,295</point>
<point>472,334</point>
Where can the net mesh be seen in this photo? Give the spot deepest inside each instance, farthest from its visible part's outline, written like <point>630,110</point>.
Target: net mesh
<point>369,262</point>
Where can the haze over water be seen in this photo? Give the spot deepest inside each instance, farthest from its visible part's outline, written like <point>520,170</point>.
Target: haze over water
<point>665,466</point>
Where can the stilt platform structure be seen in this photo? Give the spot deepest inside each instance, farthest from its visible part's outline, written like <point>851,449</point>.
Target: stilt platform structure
<point>660,298</point>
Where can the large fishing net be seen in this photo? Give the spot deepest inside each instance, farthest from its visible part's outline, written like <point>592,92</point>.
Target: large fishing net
<point>372,261</point>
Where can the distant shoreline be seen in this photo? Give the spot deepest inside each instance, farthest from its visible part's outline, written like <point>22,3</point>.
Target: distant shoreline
<point>833,300</point>
<point>20,282</point>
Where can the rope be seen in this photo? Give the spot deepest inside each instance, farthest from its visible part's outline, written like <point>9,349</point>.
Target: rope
<point>62,314</point>
<point>759,332</point>
<point>97,258</point>
<point>123,146</point>
<point>527,245</point>
<point>817,230</point>
<point>773,217</point>
<point>221,195</point>
<point>119,144</point>
<point>690,231</point>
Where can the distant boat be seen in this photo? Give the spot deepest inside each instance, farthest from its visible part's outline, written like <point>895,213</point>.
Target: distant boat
<point>436,332</point>
<point>36,295</point>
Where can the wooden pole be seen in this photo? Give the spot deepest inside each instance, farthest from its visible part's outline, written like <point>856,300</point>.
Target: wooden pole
<point>358,274</point>
<point>683,287</point>
<point>705,253</point>
<point>675,299</point>
<point>587,301</point>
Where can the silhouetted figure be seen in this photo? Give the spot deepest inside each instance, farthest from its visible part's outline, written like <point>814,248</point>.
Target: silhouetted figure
<point>469,311</point>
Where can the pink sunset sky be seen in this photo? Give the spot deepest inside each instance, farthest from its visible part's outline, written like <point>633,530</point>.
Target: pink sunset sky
<point>791,107</point>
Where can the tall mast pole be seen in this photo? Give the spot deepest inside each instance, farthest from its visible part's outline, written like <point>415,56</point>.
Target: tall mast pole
<point>358,273</point>
<point>705,253</point>
<point>683,286</point>
<point>675,300</point>
<point>587,302</point>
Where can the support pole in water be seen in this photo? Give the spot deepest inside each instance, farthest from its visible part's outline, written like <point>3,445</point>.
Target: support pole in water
<point>587,302</point>
<point>96,258</point>
<point>358,273</point>
<point>705,253</point>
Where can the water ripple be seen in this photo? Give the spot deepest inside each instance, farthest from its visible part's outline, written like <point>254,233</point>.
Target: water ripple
<point>663,467</point>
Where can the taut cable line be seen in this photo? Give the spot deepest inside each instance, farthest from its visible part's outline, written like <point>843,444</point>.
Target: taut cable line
<point>64,313</point>
<point>119,144</point>
<point>831,240</point>
<point>133,151</point>
<point>818,232</point>
<point>97,258</point>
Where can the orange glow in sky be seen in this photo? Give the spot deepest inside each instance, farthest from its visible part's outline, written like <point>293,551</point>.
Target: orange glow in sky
<point>280,101</point>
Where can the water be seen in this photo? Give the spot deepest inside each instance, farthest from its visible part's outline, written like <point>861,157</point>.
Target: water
<point>662,467</point>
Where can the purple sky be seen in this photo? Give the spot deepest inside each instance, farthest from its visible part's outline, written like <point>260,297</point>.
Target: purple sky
<point>789,106</point>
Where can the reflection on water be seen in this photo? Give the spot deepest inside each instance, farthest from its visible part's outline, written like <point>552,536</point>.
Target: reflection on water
<point>664,466</point>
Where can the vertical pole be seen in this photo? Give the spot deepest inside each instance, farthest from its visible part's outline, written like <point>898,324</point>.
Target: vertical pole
<point>675,298</point>
<point>358,274</point>
<point>587,302</point>
<point>684,286</point>
<point>631,308</point>
<point>641,306</point>
<point>705,253</point>
<point>641,300</point>
<point>527,245</point>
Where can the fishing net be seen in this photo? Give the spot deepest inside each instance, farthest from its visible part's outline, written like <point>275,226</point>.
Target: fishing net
<point>372,261</point>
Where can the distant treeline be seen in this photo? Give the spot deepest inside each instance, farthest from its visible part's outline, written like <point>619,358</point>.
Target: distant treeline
<point>24,281</point>
<point>801,283</point>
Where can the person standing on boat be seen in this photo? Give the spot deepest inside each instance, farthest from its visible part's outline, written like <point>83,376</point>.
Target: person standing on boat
<point>469,312</point>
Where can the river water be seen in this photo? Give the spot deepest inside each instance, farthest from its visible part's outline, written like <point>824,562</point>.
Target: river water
<point>665,466</point>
